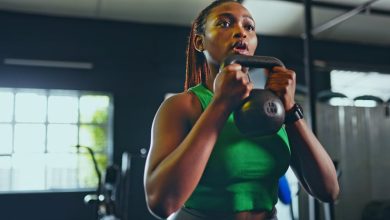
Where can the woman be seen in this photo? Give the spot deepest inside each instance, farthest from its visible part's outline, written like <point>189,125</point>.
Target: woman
<point>199,165</point>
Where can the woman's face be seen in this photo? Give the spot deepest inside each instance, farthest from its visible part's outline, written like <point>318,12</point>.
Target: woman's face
<point>229,29</point>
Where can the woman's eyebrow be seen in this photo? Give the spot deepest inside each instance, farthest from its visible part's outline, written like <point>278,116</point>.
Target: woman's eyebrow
<point>230,15</point>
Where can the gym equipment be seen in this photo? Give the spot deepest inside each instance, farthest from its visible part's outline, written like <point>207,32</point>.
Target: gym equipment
<point>111,198</point>
<point>105,199</point>
<point>262,113</point>
<point>112,195</point>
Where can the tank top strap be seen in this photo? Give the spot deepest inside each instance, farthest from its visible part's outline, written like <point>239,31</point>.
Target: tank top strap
<point>204,94</point>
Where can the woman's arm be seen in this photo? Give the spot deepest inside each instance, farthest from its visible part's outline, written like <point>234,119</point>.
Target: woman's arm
<point>179,154</point>
<point>311,163</point>
<point>183,138</point>
<point>309,160</point>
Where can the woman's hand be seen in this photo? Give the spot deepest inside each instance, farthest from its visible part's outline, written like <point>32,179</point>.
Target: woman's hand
<point>282,81</point>
<point>232,85</point>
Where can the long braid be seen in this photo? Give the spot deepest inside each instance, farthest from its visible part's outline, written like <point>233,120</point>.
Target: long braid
<point>194,72</point>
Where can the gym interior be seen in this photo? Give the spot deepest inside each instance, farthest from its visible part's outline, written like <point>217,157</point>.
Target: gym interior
<point>80,83</point>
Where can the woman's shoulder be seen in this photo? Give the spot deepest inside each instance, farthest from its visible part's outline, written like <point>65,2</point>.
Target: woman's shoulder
<point>184,104</point>
<point>184,99</point>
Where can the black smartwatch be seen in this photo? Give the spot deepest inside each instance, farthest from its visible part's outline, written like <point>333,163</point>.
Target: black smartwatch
<point>294,114</point>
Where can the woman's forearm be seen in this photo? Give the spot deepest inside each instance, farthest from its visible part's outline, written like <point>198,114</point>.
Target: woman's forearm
<point>313,163</point>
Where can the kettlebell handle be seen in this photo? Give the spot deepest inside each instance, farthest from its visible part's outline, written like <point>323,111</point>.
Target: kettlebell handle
<point>253,61</point>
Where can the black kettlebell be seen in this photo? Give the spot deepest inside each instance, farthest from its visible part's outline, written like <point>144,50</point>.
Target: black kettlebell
<point>262,113</point>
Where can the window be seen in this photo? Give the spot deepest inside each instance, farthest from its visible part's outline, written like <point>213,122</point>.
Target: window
<point>356,84</point>
<point>39,132</point>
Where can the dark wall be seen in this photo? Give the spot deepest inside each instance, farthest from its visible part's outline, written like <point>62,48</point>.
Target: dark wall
<point>45,206</point>
<point>138,64</point>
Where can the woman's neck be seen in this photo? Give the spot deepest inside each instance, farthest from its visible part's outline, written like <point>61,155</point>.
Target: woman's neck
<point>214,70</point>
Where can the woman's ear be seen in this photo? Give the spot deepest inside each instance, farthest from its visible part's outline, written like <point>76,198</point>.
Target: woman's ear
<point>198,43</point>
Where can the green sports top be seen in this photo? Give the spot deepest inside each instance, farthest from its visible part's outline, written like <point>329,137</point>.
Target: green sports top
<point>242,173</point>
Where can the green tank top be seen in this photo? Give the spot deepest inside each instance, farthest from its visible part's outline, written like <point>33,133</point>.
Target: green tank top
<point>242,173</point>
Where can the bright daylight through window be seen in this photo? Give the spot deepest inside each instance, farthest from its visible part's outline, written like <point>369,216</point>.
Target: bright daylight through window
<point>357,84</point>
<point>39,132</point>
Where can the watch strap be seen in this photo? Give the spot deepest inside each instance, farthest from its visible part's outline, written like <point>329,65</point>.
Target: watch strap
<point>294,114</point>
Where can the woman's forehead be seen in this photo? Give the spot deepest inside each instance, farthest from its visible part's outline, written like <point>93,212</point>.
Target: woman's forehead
<point>232,8</point>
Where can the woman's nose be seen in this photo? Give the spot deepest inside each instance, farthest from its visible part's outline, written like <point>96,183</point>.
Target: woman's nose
<point>239,32</point>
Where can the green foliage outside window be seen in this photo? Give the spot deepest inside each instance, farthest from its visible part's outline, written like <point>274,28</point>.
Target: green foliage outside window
<point>40,140</point>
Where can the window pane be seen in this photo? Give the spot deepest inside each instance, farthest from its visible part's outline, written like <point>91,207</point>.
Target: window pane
<point>354,84</point>
<point>62,171</point>
<point>63,109</point>
<point>30,138</point>
<point>94,109</point>
<point>7,106</point>
<point>28,171</point>
<point>87,174</point>
<point>5,138</point>
<point>94,137</point>
<point>5,173</point>
<point>61,138</point>
<point>30,107</point>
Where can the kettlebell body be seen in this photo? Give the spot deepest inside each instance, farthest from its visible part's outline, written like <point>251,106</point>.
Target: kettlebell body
<point>262,113</point>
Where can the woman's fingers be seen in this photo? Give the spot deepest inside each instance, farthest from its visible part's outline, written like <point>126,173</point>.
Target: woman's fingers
<point>232,84</point>
<point>282,81</point>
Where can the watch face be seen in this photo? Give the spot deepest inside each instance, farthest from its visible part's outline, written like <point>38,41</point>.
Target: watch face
<point>299,110</point>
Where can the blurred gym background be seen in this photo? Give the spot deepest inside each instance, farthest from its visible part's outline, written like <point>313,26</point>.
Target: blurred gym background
<point>81,80</point>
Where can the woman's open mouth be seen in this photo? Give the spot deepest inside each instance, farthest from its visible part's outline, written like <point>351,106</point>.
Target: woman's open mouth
<point>240,47</point>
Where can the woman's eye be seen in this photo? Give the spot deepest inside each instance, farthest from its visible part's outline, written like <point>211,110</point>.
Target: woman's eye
<point>224,24</point>
<point>250,27</point>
